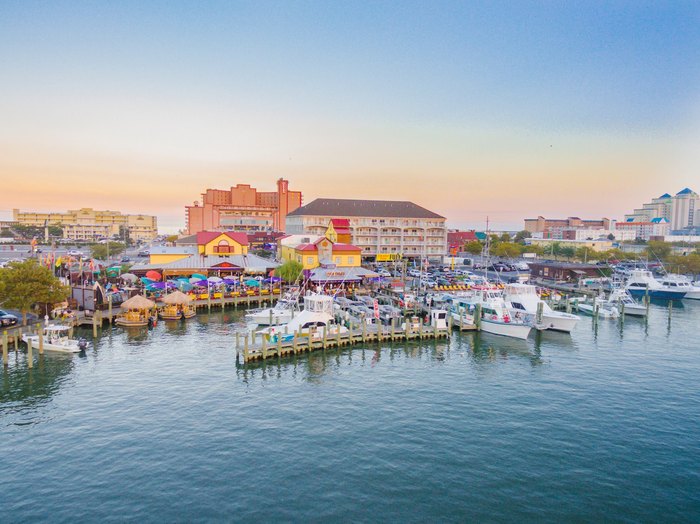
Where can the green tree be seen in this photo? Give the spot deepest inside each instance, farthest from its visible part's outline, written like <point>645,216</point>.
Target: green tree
<point>567,251</point>
<point>290,271</point>
<point>657,249</point>
<point>505,237</point>
<point>584,253</point>
<point>474,247</point>
<point>522,235</point>
<point>27,284</point>
<point>686,264</point>
<point>104,251</point>
<point>56,230</point>
<point>508,250</point>
<point>264,253</point>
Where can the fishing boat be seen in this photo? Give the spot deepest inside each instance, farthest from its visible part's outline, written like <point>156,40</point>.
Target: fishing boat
<point>56,339</point>
<point>317,316</point>
<point>642,283</point>
<point>681,283</point>
<point>281,313</point>
<point>601,306</point>
<point>176,306</point>
<point>495,315</point>
<point>524,300</point>
<point>621,297</point>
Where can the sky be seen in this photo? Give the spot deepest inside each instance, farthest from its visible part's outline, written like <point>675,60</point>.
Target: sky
<point>471,109</point>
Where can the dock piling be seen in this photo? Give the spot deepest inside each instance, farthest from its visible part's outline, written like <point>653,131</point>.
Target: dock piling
<point>5,359</point>
<point>30,354</point>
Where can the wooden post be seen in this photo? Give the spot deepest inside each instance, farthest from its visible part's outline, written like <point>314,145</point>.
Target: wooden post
<point>364,331</point>
<point>245,348</point>
<point>294,342</point>
<point>568,305</point>
<point>337,334</point>
<point>477,316</point>
<point>540,313</point>
<point>237,340</point>
<point>41,337</point>
<point>5,360</point>
<point>311,338</point>
<point>325,334</point>
<point>420,331</point>
<point>279,344</point>
<point>670,311</point>
<point>392,329</point>
<point>209,300</point>
<point>94,324</point>
<point>30,355</point>
<point>264,345</point>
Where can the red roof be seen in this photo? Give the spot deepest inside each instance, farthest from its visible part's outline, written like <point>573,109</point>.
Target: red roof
<point>306,247</point>
<point>341,225</point>
<point>204,237</point>
<point>345,247</point>
<point>459,237</point>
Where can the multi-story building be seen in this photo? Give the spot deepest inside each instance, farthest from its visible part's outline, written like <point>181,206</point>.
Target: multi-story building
<point>543,225</point>
<point>574,233</point>
<point>681,210</point>
<point>378,227</point>
<point>90,224</point>
<point>242,208</point>
<point>645,230</point>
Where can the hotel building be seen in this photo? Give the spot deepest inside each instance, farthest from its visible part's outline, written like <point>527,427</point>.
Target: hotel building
<point>681,210</point>
<point>242,208</point>
<point>544,225</point>
<point>377,227</point>
<point>88,224</point>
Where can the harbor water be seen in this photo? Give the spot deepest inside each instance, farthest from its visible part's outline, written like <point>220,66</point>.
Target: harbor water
<point>165,426</point>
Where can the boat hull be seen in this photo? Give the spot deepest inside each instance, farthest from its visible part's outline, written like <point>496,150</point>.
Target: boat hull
<point>68,348</point>
<point>263,318</point>
<point>165,316</point>
<point>505,329</point>
<point>658,293</point>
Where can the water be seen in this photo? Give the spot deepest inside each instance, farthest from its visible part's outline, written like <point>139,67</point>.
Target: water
<point>164,426</point>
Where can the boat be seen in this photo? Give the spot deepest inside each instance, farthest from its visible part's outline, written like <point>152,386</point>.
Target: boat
<point>642,283</point>
<point>621,297</point>
<point>524,300</point>
<point>316,317</point>
<point>495,315</point>
<point>56,339</point>
<point>176,306</point>
<point>138,311</point>
<point>680,283</point>
<point>281,313</point>
<point>600,305</point>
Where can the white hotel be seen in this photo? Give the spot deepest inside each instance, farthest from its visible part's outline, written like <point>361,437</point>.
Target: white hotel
<point>377,226</point>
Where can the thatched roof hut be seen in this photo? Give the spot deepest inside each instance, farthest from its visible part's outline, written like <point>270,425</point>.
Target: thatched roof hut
<point>176,298</point>
<point>138,302</point>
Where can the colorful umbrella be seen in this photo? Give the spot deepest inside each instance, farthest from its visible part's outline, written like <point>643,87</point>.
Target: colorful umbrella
<point>198,276</point>
<point>215,279</point>
<point>146,280</point>
<point>231,281</point>
<point>252,282</point>
<point>183,286</point>
<point>129,277</point>
<point>153,275</point>
<point>201,283</point>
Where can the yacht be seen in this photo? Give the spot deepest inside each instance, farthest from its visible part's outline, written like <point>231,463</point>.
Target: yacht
<point>317,314</point>
<point>642,283</point>
<point>524,301</point>
<point>605,309</point>
<point>56,339</point>
<point>281,313</point>
<point>681,283</point>
<point>495,315</point>
<point>620,297</point>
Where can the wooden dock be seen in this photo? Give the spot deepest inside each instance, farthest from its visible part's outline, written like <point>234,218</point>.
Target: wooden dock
<point>255,346</point>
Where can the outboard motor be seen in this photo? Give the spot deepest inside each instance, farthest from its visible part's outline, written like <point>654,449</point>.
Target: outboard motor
<point>150,322</point>
<point>82,344</point>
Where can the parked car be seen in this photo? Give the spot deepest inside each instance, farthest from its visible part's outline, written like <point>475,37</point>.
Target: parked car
<point>75,253</point>
<point>144,253</point>
<point>7,319</point>
<point>125,259</point>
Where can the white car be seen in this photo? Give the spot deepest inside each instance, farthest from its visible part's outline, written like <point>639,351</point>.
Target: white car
<point>74,253</point>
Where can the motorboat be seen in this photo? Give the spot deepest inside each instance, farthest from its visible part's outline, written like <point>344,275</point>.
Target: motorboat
<point>525,301</point>
<point>56,339</point>
<point>621,297</point>
<point>281,313</point>
<point>316,317</point>
<point>681,283</point>
<point>496,317</point>
<point>601,306</point>
<point>641,282</point>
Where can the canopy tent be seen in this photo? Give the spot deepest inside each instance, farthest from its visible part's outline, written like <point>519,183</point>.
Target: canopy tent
<point>176,297</point>
<point>138,302</point>
<point>129,277</point>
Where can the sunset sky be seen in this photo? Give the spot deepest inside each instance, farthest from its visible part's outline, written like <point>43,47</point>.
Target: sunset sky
<point>505,109</point>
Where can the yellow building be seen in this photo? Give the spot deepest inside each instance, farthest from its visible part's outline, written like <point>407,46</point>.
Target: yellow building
<point>324,251</point>
<point>206,243</point>
<point>90,224</point>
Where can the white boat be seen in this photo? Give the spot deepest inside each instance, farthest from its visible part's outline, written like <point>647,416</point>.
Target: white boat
<point>641,282</point>
<point>524,300</point>
<point>620,297</point>
<point>316,316</point>
<point>602,306</point>
<point>56,339</point>
<point>495,315</point>
<point>281,313</point>
<point>681,283</point>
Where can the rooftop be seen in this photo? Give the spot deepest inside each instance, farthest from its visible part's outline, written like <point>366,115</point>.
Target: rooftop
<point>334,207</point>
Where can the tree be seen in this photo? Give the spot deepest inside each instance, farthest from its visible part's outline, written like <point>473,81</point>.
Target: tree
<point>171,239</point>
<point>56,230</point>
<point>522,235</point>
<point>26,284</point>
<point>657,249</point>
<point>686,264</point>
<point>505,237</point>
<point>584,253</point>
<point>104,251</point>
<point>474,247</point>
<point>567,251</point>
<point>290,271</point>
<point>264,253</point>
<point>508,250</point>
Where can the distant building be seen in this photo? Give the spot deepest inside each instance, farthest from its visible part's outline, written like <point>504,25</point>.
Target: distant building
<point>681,210</point>
<point>378,227</point>
<point>544,225</point>
<point>645,230</point>
<point>89,224</point>
<point>573,233</point>
<point>456,239</point>
<point>593,245</point>
<point>564,272</point>
<point>242,208</point>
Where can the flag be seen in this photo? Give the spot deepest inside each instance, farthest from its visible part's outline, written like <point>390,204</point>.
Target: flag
<point>59,261</point>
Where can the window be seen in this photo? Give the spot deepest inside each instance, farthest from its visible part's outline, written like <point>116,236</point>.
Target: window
<point>351,260</point>
<point>309,260</point>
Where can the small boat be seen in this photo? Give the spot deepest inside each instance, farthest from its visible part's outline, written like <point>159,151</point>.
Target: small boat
<point>495,315</point>
<point>524,299</point>
<point>176,306</point>
<point>56,339</point>
<point>317,317</point>
<point>642,283</point>
<point>138,311</point>
<point>281,313</point>
<point>602,306</point>
<point>681,283</point>
<point>621,297</point>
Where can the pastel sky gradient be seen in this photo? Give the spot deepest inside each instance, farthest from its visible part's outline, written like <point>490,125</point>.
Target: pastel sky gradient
<point>506,109</point>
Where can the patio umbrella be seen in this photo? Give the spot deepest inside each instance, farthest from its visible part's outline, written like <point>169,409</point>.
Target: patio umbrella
<point>153,275</point>
<point>129,277</point>
<point>146,280</point>
<point>113,271</point>
<point>183,279</point>
<point>231,281</point>
<point>201,283</point>
<point>252,282</point>
<point>198,276</point>
<point>215,279</point>
<point>275,279</point>
<point>184,286</point>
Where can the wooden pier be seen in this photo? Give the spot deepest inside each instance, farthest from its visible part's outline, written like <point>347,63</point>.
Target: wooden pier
<point>255,346</point>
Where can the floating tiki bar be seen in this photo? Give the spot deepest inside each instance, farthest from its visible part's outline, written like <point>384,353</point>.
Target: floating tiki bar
<point>135,312</point>
<point>176,306</point>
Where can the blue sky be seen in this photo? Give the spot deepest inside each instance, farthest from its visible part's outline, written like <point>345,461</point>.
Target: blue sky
<point>430,101</point>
